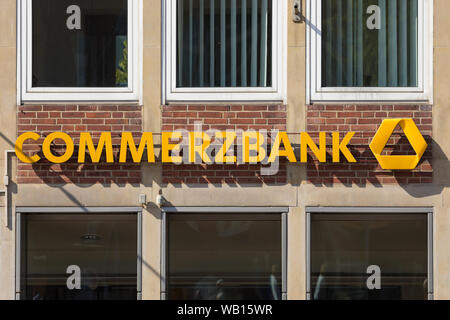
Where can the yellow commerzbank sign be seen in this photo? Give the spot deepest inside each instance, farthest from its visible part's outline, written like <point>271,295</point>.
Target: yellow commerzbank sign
<point>251,143</point>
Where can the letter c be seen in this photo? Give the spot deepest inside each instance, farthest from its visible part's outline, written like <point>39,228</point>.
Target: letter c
<point>19,146</point>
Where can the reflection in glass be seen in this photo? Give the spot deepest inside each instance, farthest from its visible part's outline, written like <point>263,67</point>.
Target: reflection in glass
<point>222,258</point>
<point>92,53</point>
<point>103,247</point>
<point>344,246</point>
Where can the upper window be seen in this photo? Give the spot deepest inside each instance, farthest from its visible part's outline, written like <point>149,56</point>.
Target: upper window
<point>370,50</point>
<point>224,50</point>
<point>79,50</point>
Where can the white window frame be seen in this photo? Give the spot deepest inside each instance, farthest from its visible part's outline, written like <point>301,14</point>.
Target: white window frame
<point>423,93</point>
<point>277,92</point>
<point>27,93</point>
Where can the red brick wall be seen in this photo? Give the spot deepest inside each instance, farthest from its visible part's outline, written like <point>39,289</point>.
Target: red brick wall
<point>365,121</point>
<point>73,119</point>
<point>244,117</point>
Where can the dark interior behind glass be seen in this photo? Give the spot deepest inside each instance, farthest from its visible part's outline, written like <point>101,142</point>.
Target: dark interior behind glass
<point>104,247</point>
<point>344,246</point>
<point>231,257</point>
<point>96,55</point>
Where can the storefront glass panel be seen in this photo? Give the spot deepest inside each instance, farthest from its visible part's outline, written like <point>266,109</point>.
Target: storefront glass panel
<point>230,257</point>
<point>369,256</point>
<point>79,257</point>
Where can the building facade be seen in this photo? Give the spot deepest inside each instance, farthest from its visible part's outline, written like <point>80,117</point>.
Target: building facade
<point>322,228</point>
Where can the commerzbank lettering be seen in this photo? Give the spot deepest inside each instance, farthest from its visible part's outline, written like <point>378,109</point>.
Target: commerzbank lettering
<point>225,147</point>
<point>228,147</point>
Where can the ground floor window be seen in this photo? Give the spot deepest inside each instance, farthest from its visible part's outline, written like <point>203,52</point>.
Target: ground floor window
<point>358,256</point>
<point>224,256</point>
<point>78,256</point>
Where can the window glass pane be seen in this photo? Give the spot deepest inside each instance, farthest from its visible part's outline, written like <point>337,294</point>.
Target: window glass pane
<point>344,246</point>
<point>224,43</point>
<point>369,43</point>
<point>103,247</point>
<point>80,43</point>
<point>224,259</point>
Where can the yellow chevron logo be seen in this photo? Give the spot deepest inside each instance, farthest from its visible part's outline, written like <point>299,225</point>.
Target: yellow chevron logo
<point>398,162</point>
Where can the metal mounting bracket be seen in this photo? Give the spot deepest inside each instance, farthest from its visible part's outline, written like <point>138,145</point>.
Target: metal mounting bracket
<point>297,14</point>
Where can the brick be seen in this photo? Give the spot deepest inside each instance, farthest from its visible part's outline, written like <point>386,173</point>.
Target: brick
<point>26,115</point>
<point>241,121</point>
<point>275,115</point>
<point>93,121</point>
<point>325,114</point>
<point>73,114</point>
<point>248,114</point>
<point>256,108</point>
<point>42,115</point>
<point>401,114</point>
<point>426,108</point>
<point>116,121</point>
<point>184,114</point>
<point>26,128</point>
<point>175,108</point>
<point>277,108</point>
<point>349,114</point>
<point>55,114</point>
<point>135,128</point>
<point>196,108</point>
<point>315,108</point>
<point>117,115</point>
<point>68,121</point>
<point>406,108</point>
<point>423,114</point>
<point>175,121</point>
<point>66,128</point>
<point>216,121</point>
<point>129,108</point>
<point>96,115</point>
<point>369,121</point>
<point>54,108</point>
<point>334,108</point>
<point>30,108</point>
<point>217,108</point>
<point>210,115</point>
<point>88,108</point>
<point>47,128</point>
<point>368,108</point>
